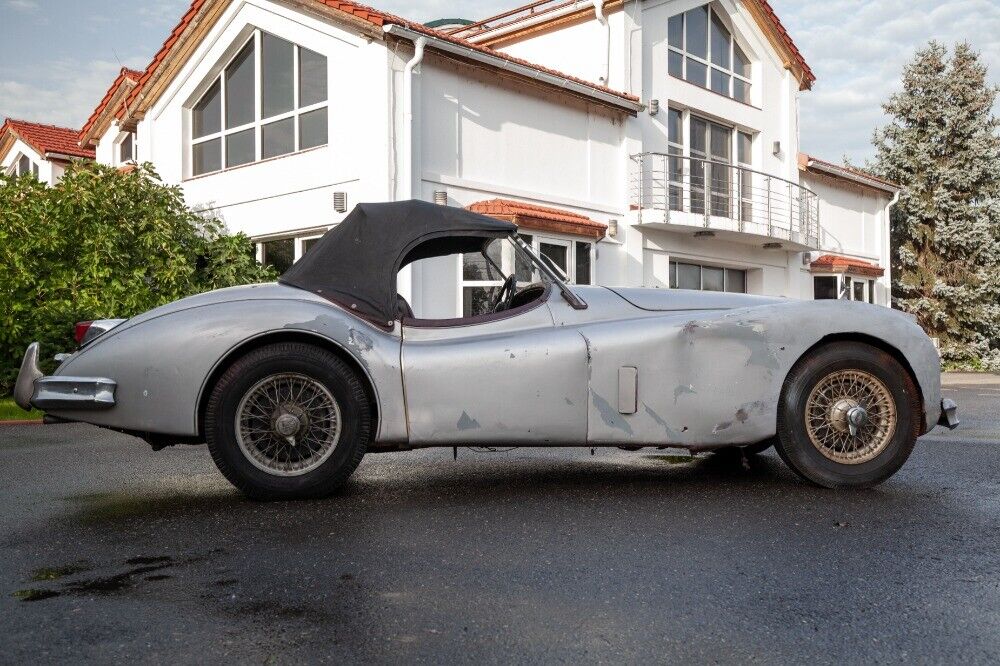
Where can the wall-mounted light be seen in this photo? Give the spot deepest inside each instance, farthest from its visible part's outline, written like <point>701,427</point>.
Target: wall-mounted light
<point>776,148</point>
<point>807,258</point>
<point>340,202</point>
<point>654,107</point>
<point>441,197</point>
<point>613,228</point>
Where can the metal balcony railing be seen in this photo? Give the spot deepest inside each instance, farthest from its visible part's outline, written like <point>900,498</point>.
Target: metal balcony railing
<point>737,198</point>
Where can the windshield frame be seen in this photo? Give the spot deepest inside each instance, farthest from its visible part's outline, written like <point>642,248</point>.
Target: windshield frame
<point>526,251</point>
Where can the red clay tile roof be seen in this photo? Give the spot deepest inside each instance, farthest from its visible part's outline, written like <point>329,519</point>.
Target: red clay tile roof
<point>47,138</point>
<point>542,218</point>
<point>376,18</point>
<point>787,40</point>
<point>805,161</point>
<point>125,73</point>
<point>833,263</point>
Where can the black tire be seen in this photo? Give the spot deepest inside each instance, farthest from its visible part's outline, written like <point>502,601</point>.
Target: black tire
<point>759,447</point>
<point>794,444</point>
<point>315,364</point>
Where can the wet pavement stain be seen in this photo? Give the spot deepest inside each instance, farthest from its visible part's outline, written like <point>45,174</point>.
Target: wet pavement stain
<point>142,568</point>
<point>55,573</point>
<point>35,594</point>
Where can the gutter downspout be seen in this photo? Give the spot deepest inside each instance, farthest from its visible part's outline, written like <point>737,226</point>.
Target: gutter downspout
<point>404,188</point>
<point>887,249</point>
<point>603,20</point>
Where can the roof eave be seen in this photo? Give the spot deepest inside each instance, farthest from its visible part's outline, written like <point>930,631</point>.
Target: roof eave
<point>582,90</point>
<point>836,172</point>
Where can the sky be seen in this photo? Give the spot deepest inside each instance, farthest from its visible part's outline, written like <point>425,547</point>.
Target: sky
<point>60,56</point>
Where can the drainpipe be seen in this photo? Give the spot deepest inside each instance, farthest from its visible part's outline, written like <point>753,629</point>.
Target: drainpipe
<point>887,247</point>
<point>603,20</point>
<point>404,189</point>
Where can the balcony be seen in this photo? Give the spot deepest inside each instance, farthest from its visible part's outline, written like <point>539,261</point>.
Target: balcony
<point>741,205</point>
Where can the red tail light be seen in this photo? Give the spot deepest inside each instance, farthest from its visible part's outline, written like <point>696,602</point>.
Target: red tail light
<point>80,330</point>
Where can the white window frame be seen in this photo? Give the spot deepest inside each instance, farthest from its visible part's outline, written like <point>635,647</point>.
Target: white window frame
<point>707,62</point>
<point>15,167</point>
<point>684,149</point>
<point>842,278</point>
<point>298,239</point>
<point>117,148</point>
<point>256,37</point>
<point>673,261</point>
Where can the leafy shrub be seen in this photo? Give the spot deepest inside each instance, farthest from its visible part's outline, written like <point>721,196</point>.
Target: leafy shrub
<point>102,243</point>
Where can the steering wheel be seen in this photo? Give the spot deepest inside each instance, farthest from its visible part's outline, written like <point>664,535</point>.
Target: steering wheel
<point>506,293</point>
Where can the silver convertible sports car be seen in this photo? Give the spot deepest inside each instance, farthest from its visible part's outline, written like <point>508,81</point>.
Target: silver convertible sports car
<point>290,384</point>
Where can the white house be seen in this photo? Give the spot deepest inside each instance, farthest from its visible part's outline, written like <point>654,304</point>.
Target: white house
<point>43,151</point>
<point>635,143</point>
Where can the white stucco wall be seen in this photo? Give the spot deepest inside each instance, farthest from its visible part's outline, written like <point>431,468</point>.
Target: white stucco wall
<point>483,136</point>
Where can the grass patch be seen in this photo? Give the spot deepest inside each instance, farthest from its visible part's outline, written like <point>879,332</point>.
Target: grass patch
<point>11,412</point>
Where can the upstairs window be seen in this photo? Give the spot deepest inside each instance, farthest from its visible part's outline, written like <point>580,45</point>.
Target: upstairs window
<point>126,148</point>
<point>702,51</point>
<point>270,100</point>
<point>25,167</point>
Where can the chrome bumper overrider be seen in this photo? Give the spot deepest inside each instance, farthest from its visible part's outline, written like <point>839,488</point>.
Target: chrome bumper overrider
<point>949,414</point>
<point>34,389</point>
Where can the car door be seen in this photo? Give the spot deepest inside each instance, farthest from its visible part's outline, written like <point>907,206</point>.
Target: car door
<point>508,380</point>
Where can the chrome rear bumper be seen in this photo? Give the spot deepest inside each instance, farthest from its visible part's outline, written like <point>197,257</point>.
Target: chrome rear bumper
<point>34,389</point>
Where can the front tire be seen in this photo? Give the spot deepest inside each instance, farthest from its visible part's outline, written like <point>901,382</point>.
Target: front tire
<point>848,417</point>
<point>288,421</point>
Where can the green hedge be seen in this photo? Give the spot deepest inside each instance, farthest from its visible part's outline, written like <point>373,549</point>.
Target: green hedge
<point>101,244</point>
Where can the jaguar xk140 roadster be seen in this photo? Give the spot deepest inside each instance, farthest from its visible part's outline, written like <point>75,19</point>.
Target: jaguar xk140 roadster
<point>290,384</point>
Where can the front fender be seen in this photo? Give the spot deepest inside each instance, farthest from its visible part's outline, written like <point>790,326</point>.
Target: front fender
<point>162,363</point>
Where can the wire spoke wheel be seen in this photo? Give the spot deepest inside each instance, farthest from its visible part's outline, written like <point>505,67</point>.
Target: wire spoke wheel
<point>850,416</point>
<point>288,424</point>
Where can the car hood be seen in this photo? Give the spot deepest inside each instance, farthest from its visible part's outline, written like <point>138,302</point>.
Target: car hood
<point>684,299</point>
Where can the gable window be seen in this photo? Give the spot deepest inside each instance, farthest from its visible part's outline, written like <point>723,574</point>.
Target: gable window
<point>24,166</point>
<point>270,100</point>
<point>701,50</point>
<point>126,148</point>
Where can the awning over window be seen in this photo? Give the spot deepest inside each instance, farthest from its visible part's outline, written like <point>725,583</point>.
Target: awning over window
<point>530,217</point>
<point>832,263</point>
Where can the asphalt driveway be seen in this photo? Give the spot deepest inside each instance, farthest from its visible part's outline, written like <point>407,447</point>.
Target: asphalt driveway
<point>109,552</point>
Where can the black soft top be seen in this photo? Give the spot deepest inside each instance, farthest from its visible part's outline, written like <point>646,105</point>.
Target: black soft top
<point>355,263</point>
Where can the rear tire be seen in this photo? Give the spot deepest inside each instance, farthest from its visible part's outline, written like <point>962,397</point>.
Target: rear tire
<point>288,421</point>
<point>848,417</point>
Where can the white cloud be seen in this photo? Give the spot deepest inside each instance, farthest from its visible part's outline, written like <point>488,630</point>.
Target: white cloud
<point>857,50</point>
<point>59,92</point>
<point>22,5</point>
